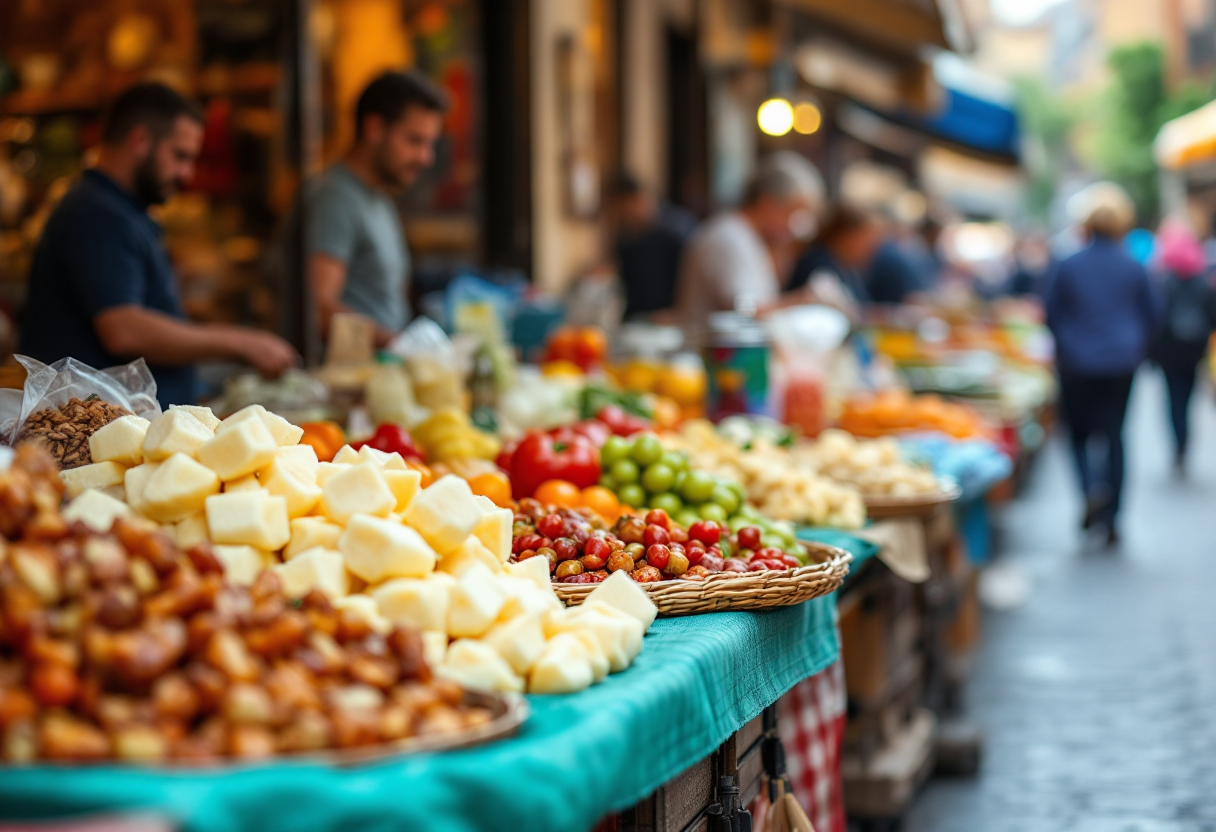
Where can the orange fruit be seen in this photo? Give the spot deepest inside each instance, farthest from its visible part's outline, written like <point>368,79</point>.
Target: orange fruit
<point>603,502</point>
<point>495,486</point>
<point>559,493</point>
<point>428,476</point>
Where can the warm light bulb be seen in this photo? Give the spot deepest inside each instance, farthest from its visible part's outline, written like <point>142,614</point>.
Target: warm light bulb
<point>807,118</point>
<point>775,117</point>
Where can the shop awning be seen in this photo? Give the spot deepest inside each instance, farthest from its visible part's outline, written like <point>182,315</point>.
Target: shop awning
<point>906,25</point>
<point>1188,139</point>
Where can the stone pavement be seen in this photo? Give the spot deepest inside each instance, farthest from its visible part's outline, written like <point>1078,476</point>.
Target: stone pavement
<point>1098,695</point>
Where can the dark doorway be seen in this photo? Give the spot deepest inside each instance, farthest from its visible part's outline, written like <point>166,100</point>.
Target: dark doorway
<point>687,125</point>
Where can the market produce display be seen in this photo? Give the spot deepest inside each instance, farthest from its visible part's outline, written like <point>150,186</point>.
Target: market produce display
<point>578,547</point>
<point>115,643</point>
<point>875,467</point>
<point>362,531</point>
<point>897,411</point>
<point>778,484</point>
<point>64,431</point>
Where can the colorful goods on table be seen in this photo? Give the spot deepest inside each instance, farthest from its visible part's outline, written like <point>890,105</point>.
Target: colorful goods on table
<point>775,481</point>
<point>875,467</point>
<point>363,532</point>
<point>897,411</point>
<point>115,643</point>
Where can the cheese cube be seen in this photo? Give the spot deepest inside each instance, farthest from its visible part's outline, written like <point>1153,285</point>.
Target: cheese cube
<point>477,666</point>
<point>302,453</point>
<point>239,450</point>
<point>520,641</point>
<point>421,603</point>
<point>283,431</point>
<point>121,441</point>
<point>347,455</point>
<point>191,532</point>
<point>325,470</point>
<point>118,492</point>
<point>472,552</point>
<point>404,485</point>
<point>358,489</point>
<point>445,514</point>
<point>248,482</point>
<point>599,661</point>
<point>203,414</point>
<point>293,480</point>
<point>317,568</point>
<point>178,488</point>
<point>524,598</point>
<point>564,667</point>
<point>387,461</point>
<point>96,510</point>
<point>623,592</point>
<point>174,432</point>
<point>494,531</point>
<point>252,518</point>
<point>534,569</point>
<point>434,647</point>
<point>97,475</point>
<point>376,549</point>
<point>619,636</point>
<point>134,482</point>
<point>242,564</point>
<point>309,532</point>
<point>476,602</point>
<point>365,609</point>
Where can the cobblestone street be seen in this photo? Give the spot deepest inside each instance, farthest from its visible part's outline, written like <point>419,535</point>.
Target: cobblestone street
<point>1098,695</point>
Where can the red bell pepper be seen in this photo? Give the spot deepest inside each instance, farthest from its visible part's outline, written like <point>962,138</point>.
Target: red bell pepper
<point>393,439</point>
<point>541,457</point>
<point>621,422</point>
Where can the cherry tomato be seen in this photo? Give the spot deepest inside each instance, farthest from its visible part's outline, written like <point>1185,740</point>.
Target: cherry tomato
<point>597,547</point>
<point>551,525</point>
<point>495,486</point>
<point>565,548</point>
<point>655,534</point>
<point>603,502</point>
<point>695,552</point>
<point>791,561</point>
<point>678,563</point>
<point>707,531</point>
<point>593,562</point>
<point>658,555</point>
<point>658,517</point>
<point>749,537</point>
<point>559,493</point>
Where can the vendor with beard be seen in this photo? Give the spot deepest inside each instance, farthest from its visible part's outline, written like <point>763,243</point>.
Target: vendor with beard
<point>358,260</point>
<point>101,287</point>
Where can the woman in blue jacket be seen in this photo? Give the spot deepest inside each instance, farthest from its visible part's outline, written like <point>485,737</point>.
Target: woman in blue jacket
<point>1102,311</point>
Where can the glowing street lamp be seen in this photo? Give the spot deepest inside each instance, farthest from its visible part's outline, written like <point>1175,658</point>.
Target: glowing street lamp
<point>775,117</point>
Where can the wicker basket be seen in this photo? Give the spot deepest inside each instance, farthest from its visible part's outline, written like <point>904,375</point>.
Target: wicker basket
<point>737,590</point>
<point>917,505</point>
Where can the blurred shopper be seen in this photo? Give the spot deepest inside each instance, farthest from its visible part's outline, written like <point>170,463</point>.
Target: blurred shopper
<point>101,287</point>
<point>897,271</point>
<point>358,260</point>
<point>1101,309</point>
<point>830,272</point>
<point>1187,325</point>
<point>1031,264</point>
<point>731,260</point>
<point>650,239</point>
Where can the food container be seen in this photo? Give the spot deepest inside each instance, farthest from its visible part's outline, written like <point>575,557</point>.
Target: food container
<point>736,353</point>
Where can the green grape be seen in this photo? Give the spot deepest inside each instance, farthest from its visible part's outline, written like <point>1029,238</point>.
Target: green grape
<point>698,487</point>
<point>646,449</point>
<point>625,472</point>
<point>669,502</point>
<point>657,479</point>
<point>632,495</point>
<point>713,511</point>
<point>614,450</point>
<point>726,498</point>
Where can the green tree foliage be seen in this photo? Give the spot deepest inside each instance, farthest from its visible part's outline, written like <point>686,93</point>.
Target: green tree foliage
<point>1138,103</point>
<point>1045,122</point>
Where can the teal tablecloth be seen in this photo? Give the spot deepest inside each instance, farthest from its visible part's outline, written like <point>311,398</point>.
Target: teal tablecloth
<point>577,758</point>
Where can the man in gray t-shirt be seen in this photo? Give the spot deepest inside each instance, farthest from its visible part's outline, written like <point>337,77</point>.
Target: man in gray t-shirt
<point>358,260</point>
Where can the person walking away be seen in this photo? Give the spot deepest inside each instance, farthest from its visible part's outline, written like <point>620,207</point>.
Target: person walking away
<point>101,286</point>
<point>357,257</point>
<point>650,239</point>
<point>1101,309</point>
<point>1187,325</point>
<point>830,271</point>
<point>732,259</point>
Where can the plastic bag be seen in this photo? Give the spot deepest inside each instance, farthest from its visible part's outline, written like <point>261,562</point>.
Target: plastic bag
<point>129,386</point>
<point>433,364</point>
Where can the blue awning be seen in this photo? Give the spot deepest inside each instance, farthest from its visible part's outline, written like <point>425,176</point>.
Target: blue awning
<point>973,122</point>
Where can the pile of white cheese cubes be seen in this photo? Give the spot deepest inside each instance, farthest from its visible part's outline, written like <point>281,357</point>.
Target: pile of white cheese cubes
<point>361,530</point>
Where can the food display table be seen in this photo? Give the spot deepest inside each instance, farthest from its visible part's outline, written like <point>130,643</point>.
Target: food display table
<point>578,757</point>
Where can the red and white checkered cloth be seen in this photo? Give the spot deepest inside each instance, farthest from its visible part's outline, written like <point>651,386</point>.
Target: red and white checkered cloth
<point>810,721</point>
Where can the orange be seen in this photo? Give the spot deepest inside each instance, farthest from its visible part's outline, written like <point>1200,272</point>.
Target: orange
<point>559,493</point>
<point>603,502</point>
<point>495,486</point>
<point>326,438</point>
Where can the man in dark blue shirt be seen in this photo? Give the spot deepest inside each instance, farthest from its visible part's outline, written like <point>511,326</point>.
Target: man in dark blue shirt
<point>101,287</point>
<point>650,241</point>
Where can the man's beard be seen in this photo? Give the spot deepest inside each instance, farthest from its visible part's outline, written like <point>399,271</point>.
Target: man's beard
<point>148,187</point>
<point>397,179</point>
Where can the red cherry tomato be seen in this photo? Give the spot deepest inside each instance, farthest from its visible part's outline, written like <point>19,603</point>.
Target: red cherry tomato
<point>658,555</point>
<point>655,534</point>
<point>749,537</point>
<point>706,531</point>
<point>658,517</point>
